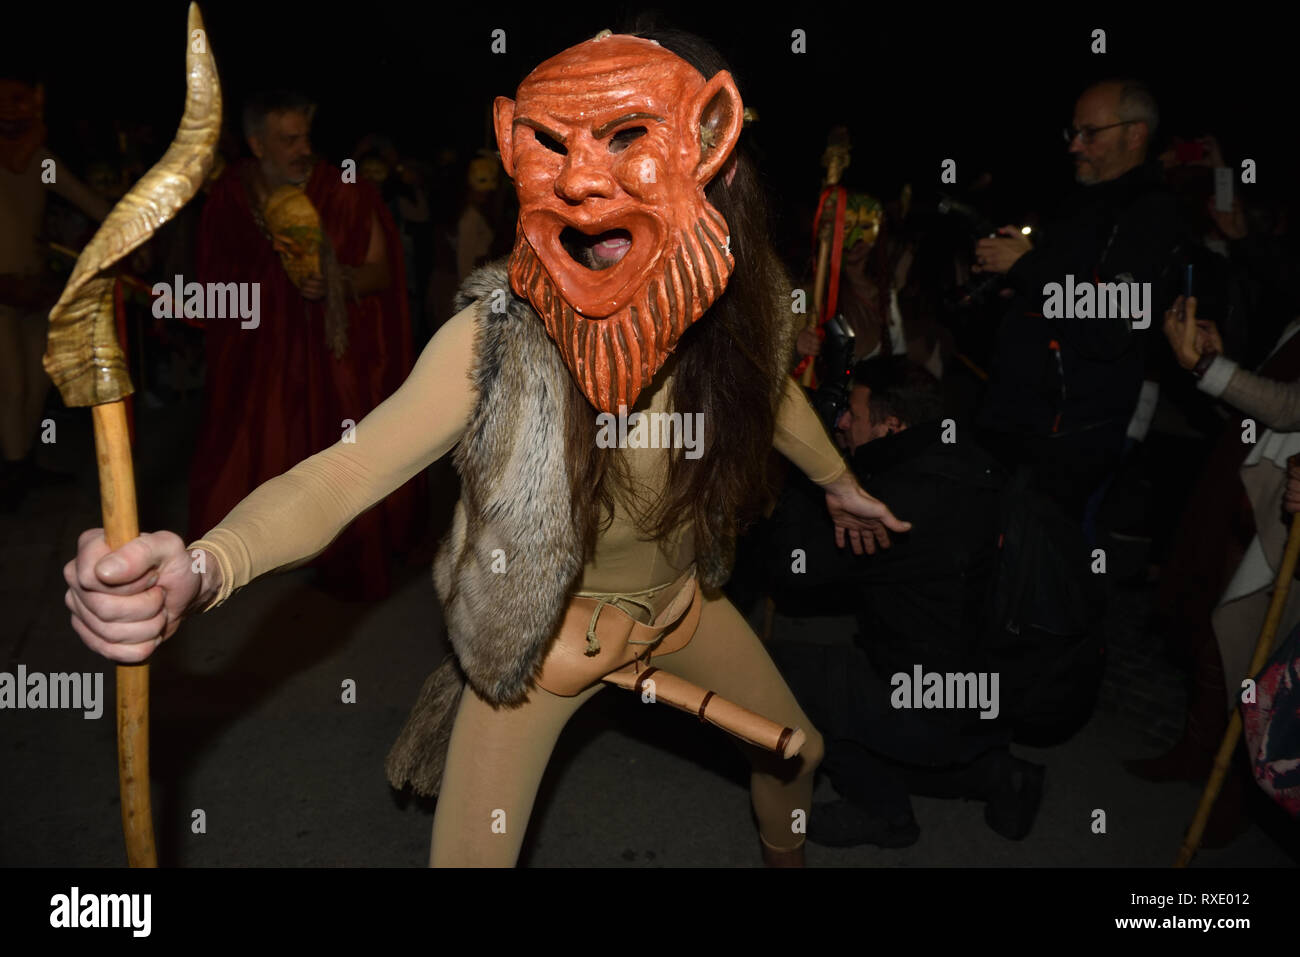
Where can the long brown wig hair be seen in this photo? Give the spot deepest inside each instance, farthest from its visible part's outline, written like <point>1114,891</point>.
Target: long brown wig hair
<point>727,365</point>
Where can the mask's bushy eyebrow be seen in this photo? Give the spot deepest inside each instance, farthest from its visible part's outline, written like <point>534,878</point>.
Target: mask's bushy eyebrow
<point>605,129</point>
<point>539,127</point>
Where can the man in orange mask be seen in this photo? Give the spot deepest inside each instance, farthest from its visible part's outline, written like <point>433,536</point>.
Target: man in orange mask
<point>618,249</point>
<point>641,279</point>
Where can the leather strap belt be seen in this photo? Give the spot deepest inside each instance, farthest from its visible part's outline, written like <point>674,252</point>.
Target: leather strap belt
<point>598,641</point>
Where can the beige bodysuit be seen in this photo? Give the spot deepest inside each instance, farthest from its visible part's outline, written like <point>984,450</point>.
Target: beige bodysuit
<point>497,755</point>
<point>293,517</point>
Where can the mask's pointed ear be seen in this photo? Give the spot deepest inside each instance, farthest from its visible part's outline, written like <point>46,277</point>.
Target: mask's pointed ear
<point>719,115</point>
<point>503,118</point>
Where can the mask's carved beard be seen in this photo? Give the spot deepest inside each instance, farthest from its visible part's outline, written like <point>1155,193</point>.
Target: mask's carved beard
<point>614,358</point>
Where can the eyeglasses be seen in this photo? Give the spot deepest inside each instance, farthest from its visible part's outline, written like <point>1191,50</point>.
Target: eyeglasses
<point>1089,133</point>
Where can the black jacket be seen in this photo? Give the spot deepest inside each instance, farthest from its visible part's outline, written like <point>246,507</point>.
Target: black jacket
<point>1128,229</point>
<point>922,599</point>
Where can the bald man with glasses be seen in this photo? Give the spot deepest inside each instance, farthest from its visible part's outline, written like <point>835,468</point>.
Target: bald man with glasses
<point>1063,392</point>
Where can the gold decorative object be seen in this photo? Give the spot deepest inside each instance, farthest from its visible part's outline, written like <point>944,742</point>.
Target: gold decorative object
<point>295,231</point>
<point>82,355</point>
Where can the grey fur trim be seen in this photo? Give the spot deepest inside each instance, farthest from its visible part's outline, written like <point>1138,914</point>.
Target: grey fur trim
<point>515,495</point>
<point>515,510</point>
<point>419,754</point>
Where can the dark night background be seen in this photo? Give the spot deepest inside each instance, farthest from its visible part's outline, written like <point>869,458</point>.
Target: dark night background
<point>247,719</point>
<point>914,83</point>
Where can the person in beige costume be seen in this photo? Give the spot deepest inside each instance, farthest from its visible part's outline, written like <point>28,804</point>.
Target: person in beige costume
<point>577,146</point>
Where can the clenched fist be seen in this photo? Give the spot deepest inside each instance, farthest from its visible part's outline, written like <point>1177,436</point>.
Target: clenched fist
<point>125,603</point>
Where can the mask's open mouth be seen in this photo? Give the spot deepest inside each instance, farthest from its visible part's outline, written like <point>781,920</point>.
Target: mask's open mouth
<point>596,252</point>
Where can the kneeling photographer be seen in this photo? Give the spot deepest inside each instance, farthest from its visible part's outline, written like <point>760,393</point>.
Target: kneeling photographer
<point>891,727</point>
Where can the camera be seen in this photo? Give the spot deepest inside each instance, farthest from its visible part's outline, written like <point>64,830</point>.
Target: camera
<point>834,372</point>
<point>980,289</point>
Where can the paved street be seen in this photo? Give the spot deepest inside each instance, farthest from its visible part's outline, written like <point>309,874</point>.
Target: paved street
<point>248,726</point>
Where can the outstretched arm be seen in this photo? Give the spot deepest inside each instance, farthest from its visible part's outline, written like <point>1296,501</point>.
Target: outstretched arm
<point>125,603</point>
<point>294,517</point>
<point>860,519</point>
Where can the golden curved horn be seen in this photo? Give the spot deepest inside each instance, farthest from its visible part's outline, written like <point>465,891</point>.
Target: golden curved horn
<point>83,356</point>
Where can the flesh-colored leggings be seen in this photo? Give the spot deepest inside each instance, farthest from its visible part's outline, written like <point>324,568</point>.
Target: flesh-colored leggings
<point>497,756</point>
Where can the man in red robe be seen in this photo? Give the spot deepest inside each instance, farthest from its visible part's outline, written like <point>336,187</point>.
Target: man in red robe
<point>281,389</point>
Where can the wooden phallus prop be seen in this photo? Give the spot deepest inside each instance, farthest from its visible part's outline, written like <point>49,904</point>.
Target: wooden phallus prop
<point>711,707</point>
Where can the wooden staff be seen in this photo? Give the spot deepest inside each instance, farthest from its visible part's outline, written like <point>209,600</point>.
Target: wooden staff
<point>710,707</point>
<point>85,361</point>
<point>1263,647</point>
<point>836,161</point>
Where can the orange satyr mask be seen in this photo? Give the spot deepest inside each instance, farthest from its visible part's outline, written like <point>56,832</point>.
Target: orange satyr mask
<point>610,145</point>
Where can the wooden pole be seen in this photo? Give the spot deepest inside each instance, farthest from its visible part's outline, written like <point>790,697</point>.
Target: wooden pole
<point>1263,648</point>
<point>85,361</point>
<point>836,160</point>
<point>117,495</point>
<point>819,286</point>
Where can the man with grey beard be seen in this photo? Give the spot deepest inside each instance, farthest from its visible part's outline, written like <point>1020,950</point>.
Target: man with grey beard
<point>331,344</point>
<point>1063,390</point>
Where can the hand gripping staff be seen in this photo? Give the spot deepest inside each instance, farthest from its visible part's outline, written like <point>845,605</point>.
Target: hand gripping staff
<point>86,363</point>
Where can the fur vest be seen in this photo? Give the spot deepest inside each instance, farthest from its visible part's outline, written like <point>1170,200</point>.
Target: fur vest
<point>507,565</point>
<point>506,569</point>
